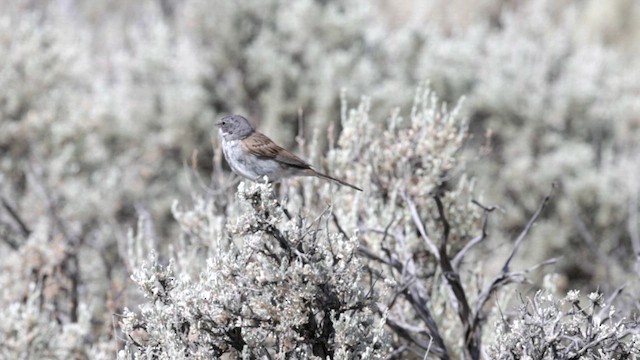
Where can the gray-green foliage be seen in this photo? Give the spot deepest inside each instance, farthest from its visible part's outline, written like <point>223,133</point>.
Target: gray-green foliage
<point>269,285</point>
<point>560,105</point>
<point>103,104</point>
<point>267,256</point>
<point>545,327</point>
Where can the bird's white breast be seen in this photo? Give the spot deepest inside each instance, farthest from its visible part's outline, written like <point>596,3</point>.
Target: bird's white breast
<point>248,165</point>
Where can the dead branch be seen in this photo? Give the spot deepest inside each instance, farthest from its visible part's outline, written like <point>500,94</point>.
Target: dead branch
<point>505,276</point>
<point>416,219</point>
<point>22,226</point>
<point>604,312</point>
<point>407,334</point>
<point>476,240</point>
<point>472,339</point>
<point>525,231</point>
<point>419,304</point>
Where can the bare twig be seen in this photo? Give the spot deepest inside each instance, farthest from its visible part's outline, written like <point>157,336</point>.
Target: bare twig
<point>394,263</point>
<point>525,231</point>
<point>468,246</point>
<point>505,276</point>
<point>483,207</point>
<point>24,229</point>
<point>604,312</point>
<point>540,265</point>
<point>449,273</point>
<point>472,338</point>
<point>411,293</point>
<point>476,240</point>
<point>408,335</point>
<point>426,353</point>
<point>337,222</point>
<point>416,219</point>
<point>419,304</point>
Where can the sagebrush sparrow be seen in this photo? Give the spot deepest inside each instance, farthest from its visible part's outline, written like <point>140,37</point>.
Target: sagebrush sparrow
<point>253,155</point>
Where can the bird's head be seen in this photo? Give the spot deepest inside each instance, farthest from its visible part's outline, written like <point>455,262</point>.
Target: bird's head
<point>234,127</point>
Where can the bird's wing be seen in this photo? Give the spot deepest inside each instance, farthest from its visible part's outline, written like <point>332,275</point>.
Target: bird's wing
<point>260,145</point>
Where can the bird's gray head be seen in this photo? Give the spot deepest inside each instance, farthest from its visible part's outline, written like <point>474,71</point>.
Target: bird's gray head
<point>235,127</point>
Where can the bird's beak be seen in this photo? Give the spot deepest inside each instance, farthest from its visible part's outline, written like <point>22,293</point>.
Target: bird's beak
<point>218,124</point>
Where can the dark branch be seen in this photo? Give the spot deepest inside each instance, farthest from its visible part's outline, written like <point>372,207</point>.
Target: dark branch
<point>473,242</point>
<point>24,229</point>
<point>525,231</point>
<point>472,339</point>
<point>407,334</point>
<point>416,219</point>
<point>419,304</point>
<point>506,277</point>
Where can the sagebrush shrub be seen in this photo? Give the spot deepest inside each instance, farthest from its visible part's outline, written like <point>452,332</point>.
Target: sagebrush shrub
<point>106,117</point>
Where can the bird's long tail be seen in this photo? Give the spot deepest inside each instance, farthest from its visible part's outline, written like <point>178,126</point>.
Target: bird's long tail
<point>325,176</point>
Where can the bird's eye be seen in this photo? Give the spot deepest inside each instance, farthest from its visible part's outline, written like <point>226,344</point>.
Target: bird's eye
<point>223,123</point>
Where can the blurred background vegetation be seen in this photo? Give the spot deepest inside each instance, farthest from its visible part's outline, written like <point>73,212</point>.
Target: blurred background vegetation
<point>107,112</point>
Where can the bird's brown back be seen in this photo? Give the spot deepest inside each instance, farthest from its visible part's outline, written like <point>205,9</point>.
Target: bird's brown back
<point>261,146</point>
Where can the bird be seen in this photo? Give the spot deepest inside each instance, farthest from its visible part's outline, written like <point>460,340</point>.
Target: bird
<point>253,155</point>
